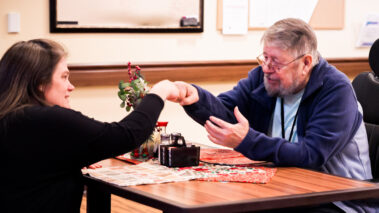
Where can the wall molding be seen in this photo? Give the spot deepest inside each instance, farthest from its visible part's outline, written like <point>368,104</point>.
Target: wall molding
<point>189,71</point>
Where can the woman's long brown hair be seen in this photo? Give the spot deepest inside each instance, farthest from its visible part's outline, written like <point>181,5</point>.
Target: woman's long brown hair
<point>25,68</point>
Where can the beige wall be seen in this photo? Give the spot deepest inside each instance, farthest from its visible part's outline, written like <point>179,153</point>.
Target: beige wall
<point>102,103</point>
<point>147,47</point>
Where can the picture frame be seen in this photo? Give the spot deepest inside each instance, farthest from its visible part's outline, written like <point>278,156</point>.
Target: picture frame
<point>129,16</point>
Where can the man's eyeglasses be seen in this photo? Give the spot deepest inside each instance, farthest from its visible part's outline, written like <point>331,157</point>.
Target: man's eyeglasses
<point>262,60</point>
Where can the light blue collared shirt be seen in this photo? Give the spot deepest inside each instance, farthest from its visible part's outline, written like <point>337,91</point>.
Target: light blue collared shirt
<point>291,105</point>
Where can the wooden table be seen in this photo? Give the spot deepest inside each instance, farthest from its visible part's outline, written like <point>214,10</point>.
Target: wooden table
<point>288,188</point>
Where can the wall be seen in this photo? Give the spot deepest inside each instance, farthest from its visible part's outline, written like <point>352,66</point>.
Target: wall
<point>102,102</point>
<point>209,45</point>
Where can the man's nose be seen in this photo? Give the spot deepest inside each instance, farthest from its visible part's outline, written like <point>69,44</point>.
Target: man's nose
<point>267,68</point>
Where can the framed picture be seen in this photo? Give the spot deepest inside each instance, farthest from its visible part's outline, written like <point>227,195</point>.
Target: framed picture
<point>109,16</point>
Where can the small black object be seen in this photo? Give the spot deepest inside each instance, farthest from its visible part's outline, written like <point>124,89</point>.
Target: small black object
<point>188,21</point>
<point>179,155</point>
<point>68,22</point>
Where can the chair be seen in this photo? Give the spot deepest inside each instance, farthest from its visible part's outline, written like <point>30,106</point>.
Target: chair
<point>366,86</point>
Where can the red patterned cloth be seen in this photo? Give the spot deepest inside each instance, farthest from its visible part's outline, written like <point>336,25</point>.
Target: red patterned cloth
<point>237,168</point>
<point>224,165</point>
<point>126,157</point>
<point>224,156</point>
<point>243,174</point>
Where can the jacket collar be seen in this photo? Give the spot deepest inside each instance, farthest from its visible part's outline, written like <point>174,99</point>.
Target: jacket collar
<point>316,79</point>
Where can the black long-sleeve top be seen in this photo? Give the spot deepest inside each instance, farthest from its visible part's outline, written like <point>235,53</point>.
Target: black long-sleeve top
<point>42,151</point>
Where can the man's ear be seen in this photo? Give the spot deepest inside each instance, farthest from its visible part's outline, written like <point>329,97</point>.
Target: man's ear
<point>40,88</point>
<point>308,59</point>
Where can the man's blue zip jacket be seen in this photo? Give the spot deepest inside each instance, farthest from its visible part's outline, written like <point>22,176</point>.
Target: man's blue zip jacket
<point>331,133</point>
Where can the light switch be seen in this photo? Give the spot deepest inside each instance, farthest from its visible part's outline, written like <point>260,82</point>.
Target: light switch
<point>13,22</point>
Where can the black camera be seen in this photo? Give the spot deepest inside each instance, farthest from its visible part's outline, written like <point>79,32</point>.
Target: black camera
<point>179,154</point>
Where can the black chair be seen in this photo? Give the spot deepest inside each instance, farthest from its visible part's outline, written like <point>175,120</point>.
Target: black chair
<point>366,86</point>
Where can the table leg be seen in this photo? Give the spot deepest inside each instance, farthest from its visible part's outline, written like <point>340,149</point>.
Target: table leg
<point>98,201</point>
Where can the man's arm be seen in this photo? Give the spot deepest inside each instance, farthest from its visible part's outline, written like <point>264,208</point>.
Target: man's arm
<point>207,105</point>
<point>332,123</point>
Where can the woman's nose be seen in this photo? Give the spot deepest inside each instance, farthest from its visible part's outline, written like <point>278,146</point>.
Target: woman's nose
<point>71,87</point>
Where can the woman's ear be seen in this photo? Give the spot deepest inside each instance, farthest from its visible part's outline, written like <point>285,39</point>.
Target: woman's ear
<point>40,88</point>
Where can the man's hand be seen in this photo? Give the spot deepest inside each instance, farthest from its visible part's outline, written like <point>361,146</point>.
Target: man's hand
<point>227,134</point>
<point>167,90</point>
<point>187,93</point>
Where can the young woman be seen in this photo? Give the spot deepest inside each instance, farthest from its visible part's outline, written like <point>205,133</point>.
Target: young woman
<point>43,143</point>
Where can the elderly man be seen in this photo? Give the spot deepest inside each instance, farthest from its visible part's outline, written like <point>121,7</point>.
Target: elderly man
<point>294,109</point>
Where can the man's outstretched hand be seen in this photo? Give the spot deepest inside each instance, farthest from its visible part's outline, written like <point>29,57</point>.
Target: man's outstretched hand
<point>227,134</point>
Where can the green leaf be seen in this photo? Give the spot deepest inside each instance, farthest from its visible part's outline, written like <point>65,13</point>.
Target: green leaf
<point>123,85</point>
<point>120,85</point>
<point>134,85</point>
<point>125,92</point>
<point>128,108</point>
<point>122,96</point>
<point>122,105</point>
